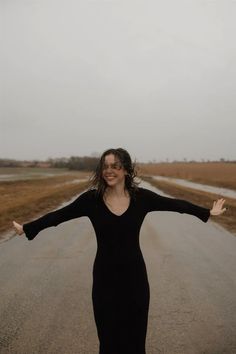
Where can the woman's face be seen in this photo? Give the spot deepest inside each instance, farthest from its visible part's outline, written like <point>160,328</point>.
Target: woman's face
<point>113,172</point>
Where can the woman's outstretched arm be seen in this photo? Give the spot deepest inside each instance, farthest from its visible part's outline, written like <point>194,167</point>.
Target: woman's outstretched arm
<point>79,207</point>
<point>157,202</point>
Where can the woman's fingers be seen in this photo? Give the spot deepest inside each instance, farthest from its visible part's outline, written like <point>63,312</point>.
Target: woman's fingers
<point>220,202</point>
<point>18,228</point>
<point>218,207</point>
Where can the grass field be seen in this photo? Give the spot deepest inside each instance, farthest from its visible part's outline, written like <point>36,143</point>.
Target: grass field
<point>22,200</point>
<point>218,174</point>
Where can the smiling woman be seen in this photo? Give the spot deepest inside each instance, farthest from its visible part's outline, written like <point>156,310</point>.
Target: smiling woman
<point>117,167</point>
<point>116,177</point>
<point>117,207</point>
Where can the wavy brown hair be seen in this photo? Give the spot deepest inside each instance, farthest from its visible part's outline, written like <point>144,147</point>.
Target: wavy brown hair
<point>97,181</point>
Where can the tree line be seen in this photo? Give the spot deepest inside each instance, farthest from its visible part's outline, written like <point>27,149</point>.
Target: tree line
<point>85,163</point>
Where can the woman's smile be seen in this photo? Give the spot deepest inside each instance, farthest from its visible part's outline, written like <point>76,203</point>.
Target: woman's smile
<point>110,177</point>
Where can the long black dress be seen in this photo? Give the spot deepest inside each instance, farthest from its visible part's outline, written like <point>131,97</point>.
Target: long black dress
<point>120,291</point>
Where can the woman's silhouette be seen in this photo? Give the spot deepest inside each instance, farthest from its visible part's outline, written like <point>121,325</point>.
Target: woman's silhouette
<point>117,207</point>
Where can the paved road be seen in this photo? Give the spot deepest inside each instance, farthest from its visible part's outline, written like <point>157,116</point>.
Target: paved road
<point>46,304</point>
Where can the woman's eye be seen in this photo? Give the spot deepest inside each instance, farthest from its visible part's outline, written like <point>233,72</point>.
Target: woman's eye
<point>115,166</point>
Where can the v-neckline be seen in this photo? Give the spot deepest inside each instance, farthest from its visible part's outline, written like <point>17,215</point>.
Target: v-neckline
<point>111,212</point>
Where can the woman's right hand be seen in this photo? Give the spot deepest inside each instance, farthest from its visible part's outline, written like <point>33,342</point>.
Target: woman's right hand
<point>18,228</point>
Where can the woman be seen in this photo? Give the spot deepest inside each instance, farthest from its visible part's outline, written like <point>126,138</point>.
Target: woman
<point>116,207</point>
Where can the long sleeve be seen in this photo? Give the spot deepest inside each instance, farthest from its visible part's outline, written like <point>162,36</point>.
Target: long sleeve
<point>154,201</point>
<point>81,206</point>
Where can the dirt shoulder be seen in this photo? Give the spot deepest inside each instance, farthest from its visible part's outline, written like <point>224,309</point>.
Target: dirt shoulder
<point>204,199</point>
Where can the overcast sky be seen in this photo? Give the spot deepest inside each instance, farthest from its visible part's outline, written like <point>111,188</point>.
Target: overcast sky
<point>157,78</point>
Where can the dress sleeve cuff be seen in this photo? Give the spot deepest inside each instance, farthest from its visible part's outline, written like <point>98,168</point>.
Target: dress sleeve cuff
<point>30,233</point>
<point>206,215</point>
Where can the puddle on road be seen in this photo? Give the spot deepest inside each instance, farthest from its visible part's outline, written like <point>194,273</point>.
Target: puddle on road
<point>204,187</point>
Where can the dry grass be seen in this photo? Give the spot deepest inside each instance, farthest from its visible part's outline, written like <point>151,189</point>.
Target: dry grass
<point>204,199</point>
<point>218,174</point>
<point>24,200</point>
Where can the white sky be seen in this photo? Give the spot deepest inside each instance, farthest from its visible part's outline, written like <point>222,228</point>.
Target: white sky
<point>154,77</point>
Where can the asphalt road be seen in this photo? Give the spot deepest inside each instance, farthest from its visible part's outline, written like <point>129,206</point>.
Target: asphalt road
<point>45,285</point>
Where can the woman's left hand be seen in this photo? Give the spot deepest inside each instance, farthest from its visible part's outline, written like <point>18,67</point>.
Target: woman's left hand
<point>217,208</point>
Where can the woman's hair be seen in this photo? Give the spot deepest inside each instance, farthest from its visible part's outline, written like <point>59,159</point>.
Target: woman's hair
<point>97,181</point>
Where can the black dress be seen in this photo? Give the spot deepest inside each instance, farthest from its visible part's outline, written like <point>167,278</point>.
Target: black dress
<point>120,291</point>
